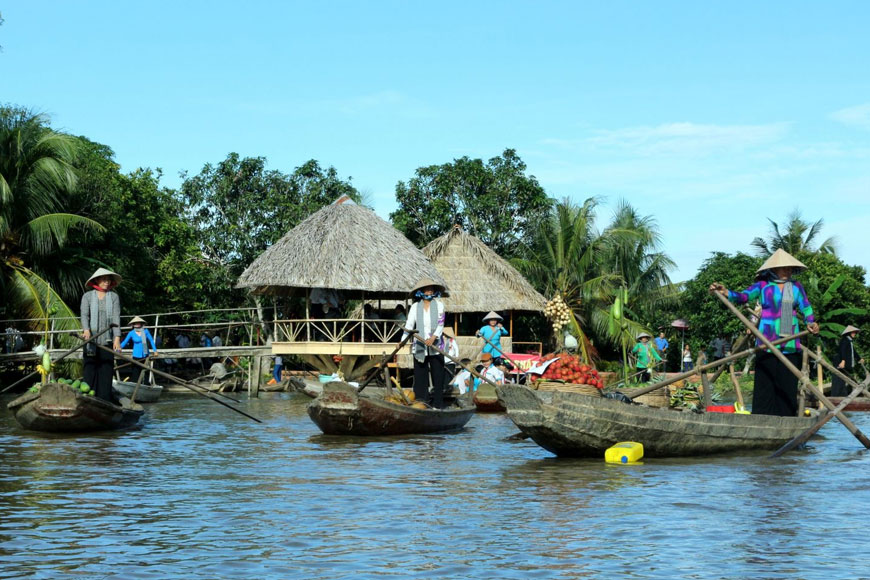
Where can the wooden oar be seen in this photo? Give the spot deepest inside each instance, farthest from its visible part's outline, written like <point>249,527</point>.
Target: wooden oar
<point>805,436</point>
<point>384,361</point>
<point>62,356</point>
<point>736,384</point>
<point>182,382</point>
<point>457,361</point>
<point>715,363</point>
<point>801,377</point>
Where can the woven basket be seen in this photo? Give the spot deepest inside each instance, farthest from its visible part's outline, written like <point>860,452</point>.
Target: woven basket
<point>659,398</point>
<point>568,387</point>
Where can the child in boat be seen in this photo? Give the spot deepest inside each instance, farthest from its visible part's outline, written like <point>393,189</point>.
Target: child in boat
<point>141,338</point>
<point>489,370</point>
<point>647,357</point>
<point>462,380</point>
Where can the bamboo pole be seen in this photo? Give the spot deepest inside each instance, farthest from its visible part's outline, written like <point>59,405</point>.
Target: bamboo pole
<point>801,377</point>
<point>715,363</point>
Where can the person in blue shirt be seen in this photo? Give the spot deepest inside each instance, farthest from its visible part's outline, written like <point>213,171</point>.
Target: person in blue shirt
<point>141,338</point>
<point>492,334</point>
<point>662,347</point>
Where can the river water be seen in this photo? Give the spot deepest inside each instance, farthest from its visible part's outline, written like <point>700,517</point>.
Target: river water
<point>201,492</point>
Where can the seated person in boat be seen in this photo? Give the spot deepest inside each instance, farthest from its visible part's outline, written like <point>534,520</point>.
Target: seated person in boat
<point>776,387</point>
<point>489,370</point>
<point>463,379</point>
<point>141,338</point>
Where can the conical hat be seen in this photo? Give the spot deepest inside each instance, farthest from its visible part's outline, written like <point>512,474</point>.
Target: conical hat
<point>425,282</point>
<point>137,319</point>
<point>492,315</point>
<point>116,278</point>
<point>642,334</point>
<point>849,329</point>
<point>447,331</point>
<point>781,259</point>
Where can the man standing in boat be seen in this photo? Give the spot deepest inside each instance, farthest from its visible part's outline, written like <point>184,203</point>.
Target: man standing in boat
<point>775,391</point>
<point>846,359</point>
<point>426,318</point>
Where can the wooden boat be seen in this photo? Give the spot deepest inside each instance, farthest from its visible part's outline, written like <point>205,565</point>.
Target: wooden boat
<point>144,394</point>
<point>857,404</point>
<point>486,399</point>
<point>60,408</point>
<point>340,410</point>
<point>314,388</point>
<point>576,425</point>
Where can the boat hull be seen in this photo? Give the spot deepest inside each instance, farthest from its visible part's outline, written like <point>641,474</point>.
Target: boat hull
<point>144,394</point>
<point>856,404</point>
<point>576,425</point>
<point>486,399</point>
<point>61,409</point>
<point>340,410</point>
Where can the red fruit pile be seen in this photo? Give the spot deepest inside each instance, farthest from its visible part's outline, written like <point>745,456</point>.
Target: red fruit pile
<point>568,368</point>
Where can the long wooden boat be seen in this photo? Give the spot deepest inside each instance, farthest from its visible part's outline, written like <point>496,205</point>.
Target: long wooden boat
<point>857,404</point>
<point>341,410</point>
<point>60,408</point>
<point>577,425</point>
<point>144,394</point>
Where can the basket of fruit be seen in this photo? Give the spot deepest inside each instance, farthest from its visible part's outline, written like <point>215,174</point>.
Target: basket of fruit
<point>566,372</point>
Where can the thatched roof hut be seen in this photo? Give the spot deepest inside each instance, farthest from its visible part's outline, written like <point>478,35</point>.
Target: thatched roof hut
<point>479,279</point>
<point>343,246</point>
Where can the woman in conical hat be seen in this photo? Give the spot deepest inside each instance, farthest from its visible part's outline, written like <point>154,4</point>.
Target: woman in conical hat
<point>426,318</point>
<point>100,309</point>
<point>846,360</point>
<point>492,333</point>
<point>140,337</point>
<point>647,357</point>
<point>781,298</point>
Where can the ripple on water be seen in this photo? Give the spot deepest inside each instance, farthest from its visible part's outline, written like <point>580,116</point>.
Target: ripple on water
<point>199,492</point>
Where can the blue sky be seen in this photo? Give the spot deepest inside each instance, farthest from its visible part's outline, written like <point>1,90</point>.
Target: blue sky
<point>709,116</point>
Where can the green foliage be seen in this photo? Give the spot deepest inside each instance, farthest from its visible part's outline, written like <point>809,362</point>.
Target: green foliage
<point>496,202</point>
<point>798,236</point>
<point>706,316</point>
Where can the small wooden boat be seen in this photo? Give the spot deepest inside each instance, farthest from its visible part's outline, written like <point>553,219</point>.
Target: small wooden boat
<point>341,410</point>
<point>577,425</point>
<point>857,404</point>
<point>486,399</point>
<point>60,408</point>
<point>144,394</point>
<point>314,388</point>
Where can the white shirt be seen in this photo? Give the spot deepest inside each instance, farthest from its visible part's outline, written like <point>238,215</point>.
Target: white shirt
<point>461,381</point>
<point>427,320</point>
<point>452,347</point>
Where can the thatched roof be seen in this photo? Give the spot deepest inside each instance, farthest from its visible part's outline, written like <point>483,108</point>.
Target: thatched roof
<point>478,278</point>
<point>343,246</point>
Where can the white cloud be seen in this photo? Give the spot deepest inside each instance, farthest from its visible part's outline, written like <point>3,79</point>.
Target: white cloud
<point>857,116</point>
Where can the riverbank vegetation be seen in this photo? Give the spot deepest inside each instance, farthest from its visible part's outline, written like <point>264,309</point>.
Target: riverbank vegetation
<point>66,208</point>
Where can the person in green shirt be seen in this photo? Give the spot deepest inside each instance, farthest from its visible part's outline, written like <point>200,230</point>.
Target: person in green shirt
<point>646,355</point>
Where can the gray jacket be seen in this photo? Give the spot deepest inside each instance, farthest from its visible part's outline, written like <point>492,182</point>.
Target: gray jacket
<point>91,312</point>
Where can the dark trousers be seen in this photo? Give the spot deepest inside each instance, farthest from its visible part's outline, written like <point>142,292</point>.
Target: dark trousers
<point>775,391</point>
<point>145,374</point>
<point>432,366</point>
<point>839,387</point>
<point>98,373</point>
<point>643,375</point>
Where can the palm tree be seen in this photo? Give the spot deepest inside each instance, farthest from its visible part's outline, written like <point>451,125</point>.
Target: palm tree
<point>36,175</point>
<point>798,236</point>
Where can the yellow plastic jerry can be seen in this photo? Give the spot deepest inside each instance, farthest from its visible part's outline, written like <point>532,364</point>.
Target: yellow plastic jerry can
<point>624,452</point>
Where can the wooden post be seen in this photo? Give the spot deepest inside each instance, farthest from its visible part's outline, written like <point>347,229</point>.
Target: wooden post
<point>258,377</point>
<point>820,373</point>
<point>802,392</point>
<point>511,329</point>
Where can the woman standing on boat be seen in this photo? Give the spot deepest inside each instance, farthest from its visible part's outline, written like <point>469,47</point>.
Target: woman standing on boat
<point>141,338</point>
<point>492,334</point>
<point>775,391</point>
<point>647,357</point>
<point>100,309</point>
<point>426,318</point>
<point>845,361</point>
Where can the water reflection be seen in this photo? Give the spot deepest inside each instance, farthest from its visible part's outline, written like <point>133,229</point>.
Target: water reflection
<point>200,492</point>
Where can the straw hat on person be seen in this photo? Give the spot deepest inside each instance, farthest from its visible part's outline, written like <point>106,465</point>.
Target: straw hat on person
<point>849,329</point>
<point>426,283</point>
<point>781,259</point>
<point>448,332</point>
<point>492,315</point>
<point>116,278</point>
<point>137,319</point>
<point>643,334</point>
